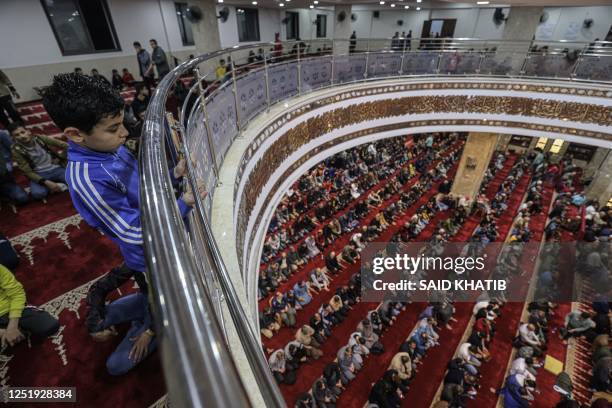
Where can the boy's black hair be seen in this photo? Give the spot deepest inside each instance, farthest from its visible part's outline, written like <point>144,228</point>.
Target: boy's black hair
<point>153,40</point>
<point>137,44</point>
<point>80,101</point>
<point>13,126</point>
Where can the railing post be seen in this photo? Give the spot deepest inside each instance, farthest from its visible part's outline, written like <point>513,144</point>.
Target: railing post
<point>482,57</point>
<point>524,65</point>
<point>333,59</point>
<point>211,146</point>
<point>573,74</point>
<point>365,73</point>
<point>299,69</point>
<point>236,101</point>
<point>401,71</point>
<point>267,76</point>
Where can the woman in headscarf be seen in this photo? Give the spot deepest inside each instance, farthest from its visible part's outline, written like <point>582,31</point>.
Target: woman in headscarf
<point>319,279</point>
<point>340,309</point>
<point>303,293</point>
<point>346,362</point>
<point>367,332</point>
<point>360,351</point>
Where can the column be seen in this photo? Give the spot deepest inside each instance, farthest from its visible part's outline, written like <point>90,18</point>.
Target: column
<point>206,31</point>
<point>477,153</point>
<point>522,24</point>
<point>342,29</point>
<point>600,188</point>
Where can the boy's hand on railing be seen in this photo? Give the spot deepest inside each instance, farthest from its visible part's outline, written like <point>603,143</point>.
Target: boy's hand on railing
<point>188,196</point>
<point>180,169</point>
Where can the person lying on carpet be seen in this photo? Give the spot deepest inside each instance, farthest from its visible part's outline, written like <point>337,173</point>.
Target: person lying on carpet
<point>42,159</point>
<point>102,174</point>
<point>18,320</point>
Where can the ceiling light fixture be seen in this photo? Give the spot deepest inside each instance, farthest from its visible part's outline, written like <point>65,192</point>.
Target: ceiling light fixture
<point>392,5</point>
<point>482,3</point>
<point>406,7</point>
<point>418,9</point>
<point>281,4</point>
<point>311,6</point>
<point>419,1</point>
<point>254,3</point>
<point>381,3</point>
<point>316,2</point>
<point>220,1</point>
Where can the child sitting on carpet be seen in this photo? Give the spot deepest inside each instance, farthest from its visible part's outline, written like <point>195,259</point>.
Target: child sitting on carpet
<point>17,319</point>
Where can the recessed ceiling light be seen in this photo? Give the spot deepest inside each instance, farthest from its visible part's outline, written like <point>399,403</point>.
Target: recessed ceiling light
<point>311,6</point>
<point>281,4</point>
<point>419,1</point>
<point>381,3</point>
<point>418,9</point>
<point>220,1</point>
<point>392,5</point>
<point>482,2</point>
<point>316,2</point>
<point>406,7</point>
<point>254,3</point>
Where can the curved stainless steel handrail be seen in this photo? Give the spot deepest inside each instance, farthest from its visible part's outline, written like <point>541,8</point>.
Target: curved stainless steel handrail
<point>199,368</point>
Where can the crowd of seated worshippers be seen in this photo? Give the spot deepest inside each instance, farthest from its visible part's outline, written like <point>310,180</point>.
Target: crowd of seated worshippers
<point>364,341</point>
<point>329,187</point>
<point>280,266</point>
<point>463,371</point>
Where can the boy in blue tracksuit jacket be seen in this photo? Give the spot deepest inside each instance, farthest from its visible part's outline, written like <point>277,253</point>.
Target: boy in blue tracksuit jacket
<point>102,177</point>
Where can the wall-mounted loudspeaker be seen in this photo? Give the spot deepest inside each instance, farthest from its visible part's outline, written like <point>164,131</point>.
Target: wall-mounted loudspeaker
<point>400,22</point>
<point>353,17</point>
<point>223,14</point>
<point>194,14</point>
<point>587,23</point>
<point>376,14</point>
<point>341,16</point>
<point>499,16</point>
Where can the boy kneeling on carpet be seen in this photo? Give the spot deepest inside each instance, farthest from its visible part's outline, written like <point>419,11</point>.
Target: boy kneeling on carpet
<point>17,319</point>
<point>103,181</point>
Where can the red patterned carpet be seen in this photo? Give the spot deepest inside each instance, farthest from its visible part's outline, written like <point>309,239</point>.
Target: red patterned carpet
<point>59,261</point>
<point>60,257</point>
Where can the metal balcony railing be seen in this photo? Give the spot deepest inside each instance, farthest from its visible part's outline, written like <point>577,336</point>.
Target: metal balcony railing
<point>190,281</point>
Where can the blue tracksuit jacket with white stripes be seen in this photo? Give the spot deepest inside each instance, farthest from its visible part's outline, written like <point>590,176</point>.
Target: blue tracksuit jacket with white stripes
<point>104,188</point>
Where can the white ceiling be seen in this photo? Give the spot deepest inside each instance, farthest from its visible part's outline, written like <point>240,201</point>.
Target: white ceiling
<point>425,4</point>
